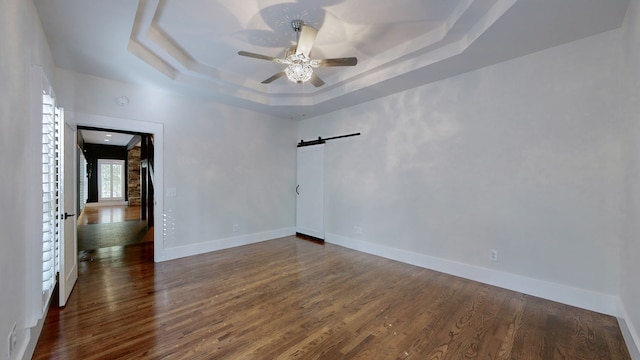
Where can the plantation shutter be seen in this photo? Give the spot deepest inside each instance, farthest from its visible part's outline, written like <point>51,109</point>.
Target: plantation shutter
<point>50,203</point>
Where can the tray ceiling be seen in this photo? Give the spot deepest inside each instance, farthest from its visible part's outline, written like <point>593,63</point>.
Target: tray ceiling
<point>190,46</point>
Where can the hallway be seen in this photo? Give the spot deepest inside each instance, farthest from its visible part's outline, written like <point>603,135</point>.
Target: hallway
<point>107,226</point>
<point>108,214</point>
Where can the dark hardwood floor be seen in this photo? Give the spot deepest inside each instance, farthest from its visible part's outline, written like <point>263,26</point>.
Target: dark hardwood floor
<point>109,214</point>
<point>292,298</point>
<point>107,226</point>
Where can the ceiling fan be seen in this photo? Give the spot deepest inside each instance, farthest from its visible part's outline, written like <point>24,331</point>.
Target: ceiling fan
<point>299,65</point>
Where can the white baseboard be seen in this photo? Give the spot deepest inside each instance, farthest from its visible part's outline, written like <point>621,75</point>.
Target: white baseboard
<point>629,332</point>
<point>221,244</point>
<point>586,299</point>
<point>32,335</point>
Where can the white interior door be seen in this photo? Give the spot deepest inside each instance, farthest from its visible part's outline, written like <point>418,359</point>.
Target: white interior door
<point>310,191</point>
<point>68,271</point>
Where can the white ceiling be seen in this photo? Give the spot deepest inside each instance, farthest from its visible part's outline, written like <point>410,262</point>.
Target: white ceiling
<point>105,137</point>
<point>190,46</point>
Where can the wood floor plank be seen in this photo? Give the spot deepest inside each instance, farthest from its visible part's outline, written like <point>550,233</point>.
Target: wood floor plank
<point>294,299</point>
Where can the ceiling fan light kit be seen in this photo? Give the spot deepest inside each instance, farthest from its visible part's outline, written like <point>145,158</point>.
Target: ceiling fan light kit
<point>299,65</point>
<point>299,68</point>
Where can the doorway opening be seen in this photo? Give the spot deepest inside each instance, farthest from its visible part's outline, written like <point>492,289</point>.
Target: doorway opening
<point>116,201</point>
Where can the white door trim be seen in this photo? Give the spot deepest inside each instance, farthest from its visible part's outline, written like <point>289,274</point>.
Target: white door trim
<point>157,130</point>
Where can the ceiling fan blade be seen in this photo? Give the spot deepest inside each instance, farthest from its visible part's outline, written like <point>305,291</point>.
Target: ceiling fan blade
<point>316,81</point>
<point>350,61</point>
<point>306,40</point>
<point>257,56</point>
<point>274,77</point>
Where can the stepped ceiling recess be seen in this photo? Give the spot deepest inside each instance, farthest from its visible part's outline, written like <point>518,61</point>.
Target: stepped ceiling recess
<point>190,46</point>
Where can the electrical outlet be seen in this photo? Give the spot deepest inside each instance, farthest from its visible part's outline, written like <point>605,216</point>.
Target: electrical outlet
<point>12,340</point>
<point>357,230</point>
<point>493,255</point>
<point>235,227</point>
<point>171,192</point>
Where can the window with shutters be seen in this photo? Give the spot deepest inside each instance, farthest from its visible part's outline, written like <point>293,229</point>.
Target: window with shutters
<point>50,194</point>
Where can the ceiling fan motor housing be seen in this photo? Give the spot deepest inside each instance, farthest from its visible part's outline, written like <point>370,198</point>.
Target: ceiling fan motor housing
<point>297,25</point>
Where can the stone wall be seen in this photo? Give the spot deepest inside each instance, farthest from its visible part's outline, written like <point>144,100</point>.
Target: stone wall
<point>134,176</point>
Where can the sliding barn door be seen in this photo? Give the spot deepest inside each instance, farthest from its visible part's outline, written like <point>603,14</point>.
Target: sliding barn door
<point>310,191</point>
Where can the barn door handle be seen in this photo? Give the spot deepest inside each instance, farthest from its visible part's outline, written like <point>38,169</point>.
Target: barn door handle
<point>297,187</point>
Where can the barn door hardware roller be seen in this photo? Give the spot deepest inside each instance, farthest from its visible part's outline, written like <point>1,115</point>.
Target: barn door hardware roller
<point>322,141</point>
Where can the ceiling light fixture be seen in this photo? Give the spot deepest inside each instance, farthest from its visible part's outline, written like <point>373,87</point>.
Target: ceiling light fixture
<point>299,67</point>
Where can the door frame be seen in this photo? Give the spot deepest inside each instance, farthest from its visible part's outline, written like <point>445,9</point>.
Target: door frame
<point>155,129</point>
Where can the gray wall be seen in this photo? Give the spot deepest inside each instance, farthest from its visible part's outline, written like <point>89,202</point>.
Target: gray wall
<point>630,266</point>
<point>228,165</point>
<point>525,157</point>
<point>23,43</point>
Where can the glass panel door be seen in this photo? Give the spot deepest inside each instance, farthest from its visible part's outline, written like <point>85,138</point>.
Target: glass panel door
<point>111,179</point>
